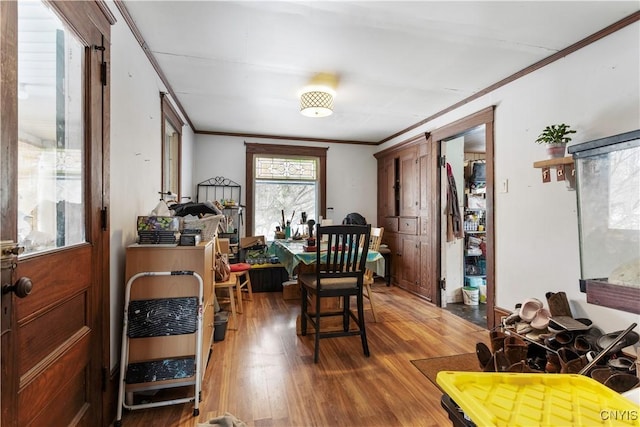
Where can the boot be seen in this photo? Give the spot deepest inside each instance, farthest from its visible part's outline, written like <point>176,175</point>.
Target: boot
<point>484,355</point>
<point>553,363</point>
<point>497,340</point>
<point>622,382</point>
<point>491,364</point>
<point>515,349</point>
<point>582,345</point>
<point>523,367</point>
<point>558,304</point>
<point>570,361</point>
<point>501,362</point>
<point>601,374</point>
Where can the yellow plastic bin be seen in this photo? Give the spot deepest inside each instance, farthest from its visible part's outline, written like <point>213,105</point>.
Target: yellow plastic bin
<point>510,399</point>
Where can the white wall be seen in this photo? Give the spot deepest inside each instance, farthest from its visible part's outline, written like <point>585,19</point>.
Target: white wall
<point>135,155</point>
<point>595,90</point>
<point>351,171</point>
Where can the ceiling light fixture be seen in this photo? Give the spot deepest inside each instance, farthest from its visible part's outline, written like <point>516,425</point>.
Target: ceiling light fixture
<point>316,98</point>
<point>316,101</point>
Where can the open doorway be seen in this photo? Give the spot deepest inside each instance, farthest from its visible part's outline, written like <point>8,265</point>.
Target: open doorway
<point>463,231</point>
<point>466,257</point>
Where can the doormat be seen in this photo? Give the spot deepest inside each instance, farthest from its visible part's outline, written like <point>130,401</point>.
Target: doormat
<point>430,367</point>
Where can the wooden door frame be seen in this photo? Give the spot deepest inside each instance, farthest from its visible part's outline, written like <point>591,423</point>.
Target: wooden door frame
<point>482,117</point>
<point>89,21</point>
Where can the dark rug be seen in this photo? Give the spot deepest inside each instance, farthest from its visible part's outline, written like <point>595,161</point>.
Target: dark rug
<point>430,367</point>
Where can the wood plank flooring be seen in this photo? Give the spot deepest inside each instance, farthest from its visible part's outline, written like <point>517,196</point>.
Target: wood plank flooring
<point>264,374</point>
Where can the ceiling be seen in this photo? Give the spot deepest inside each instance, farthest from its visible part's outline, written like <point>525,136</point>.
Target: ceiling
<point>236,67</point>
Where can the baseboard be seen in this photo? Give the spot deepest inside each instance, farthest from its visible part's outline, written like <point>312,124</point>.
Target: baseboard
<point>498,314</point>
<point>110,396</point>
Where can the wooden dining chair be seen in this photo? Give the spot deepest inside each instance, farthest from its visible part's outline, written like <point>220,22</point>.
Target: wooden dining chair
<point>339,272</point>
<point>374,245</point>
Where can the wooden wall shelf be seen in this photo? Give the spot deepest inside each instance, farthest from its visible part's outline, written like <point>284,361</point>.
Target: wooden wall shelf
<point>554,162</point>
<point>565,170</point>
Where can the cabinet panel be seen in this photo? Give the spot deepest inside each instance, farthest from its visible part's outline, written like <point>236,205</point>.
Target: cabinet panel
<point>389,207</point>
<point>409,180</point>
<point>207,332</point>
<point>424,182</point>
<point>390,225</point>
<point>424,226</point>
<point>408,225</point>
<point>409,256</point>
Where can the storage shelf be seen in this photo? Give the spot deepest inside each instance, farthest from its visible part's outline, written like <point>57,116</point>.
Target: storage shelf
<point>564,170</point>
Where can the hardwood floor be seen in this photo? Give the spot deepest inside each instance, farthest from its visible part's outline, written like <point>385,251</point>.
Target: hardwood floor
<point>264,374</point>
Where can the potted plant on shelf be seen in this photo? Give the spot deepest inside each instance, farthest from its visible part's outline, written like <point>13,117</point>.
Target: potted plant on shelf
<point>556,137</point>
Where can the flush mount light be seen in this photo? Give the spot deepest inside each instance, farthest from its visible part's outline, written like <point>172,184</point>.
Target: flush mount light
<point>316,101</point>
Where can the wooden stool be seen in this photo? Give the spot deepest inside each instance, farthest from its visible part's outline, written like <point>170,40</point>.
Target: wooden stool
<point>243,280</point>
<point>229,284</point>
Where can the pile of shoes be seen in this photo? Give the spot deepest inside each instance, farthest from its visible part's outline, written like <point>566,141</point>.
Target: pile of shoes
<point>535,339</point>
<point>509,353</point>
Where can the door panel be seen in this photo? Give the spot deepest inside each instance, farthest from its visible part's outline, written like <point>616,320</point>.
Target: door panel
<point>63,374</point>
<point>56,277</point>
<point>57,306</point>
<point>52,142</point>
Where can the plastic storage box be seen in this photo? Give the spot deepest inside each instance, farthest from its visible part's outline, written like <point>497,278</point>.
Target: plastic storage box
<point>510,399</point>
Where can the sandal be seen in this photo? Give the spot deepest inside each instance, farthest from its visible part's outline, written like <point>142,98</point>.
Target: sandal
<point>541,319</point>
<point>529,309</point>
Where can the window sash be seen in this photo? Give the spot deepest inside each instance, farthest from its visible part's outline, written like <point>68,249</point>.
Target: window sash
<point>254,150</point>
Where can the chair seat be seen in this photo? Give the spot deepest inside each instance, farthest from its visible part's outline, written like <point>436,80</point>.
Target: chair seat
<point>241,266</point>
<point>311,281</point>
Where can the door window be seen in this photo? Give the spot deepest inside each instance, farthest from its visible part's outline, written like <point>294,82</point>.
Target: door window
<point>51,152</point>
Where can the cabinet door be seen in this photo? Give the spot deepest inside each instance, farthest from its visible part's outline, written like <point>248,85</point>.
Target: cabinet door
<point>386,186</point>
<point>409,177</point>
<point>408,260</point>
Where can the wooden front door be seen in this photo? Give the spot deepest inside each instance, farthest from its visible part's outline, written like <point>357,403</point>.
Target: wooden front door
<point>53,230</point>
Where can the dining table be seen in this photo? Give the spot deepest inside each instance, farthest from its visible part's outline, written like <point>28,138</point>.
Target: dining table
<point>291,254</point>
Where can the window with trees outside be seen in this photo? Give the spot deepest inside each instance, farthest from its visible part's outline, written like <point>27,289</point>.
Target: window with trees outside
<point>284,179</point>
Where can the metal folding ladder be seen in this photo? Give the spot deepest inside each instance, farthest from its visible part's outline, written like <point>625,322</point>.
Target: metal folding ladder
<point>160,317</point>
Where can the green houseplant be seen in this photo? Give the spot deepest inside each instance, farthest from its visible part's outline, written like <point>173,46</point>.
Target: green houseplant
<point>556,137</point>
